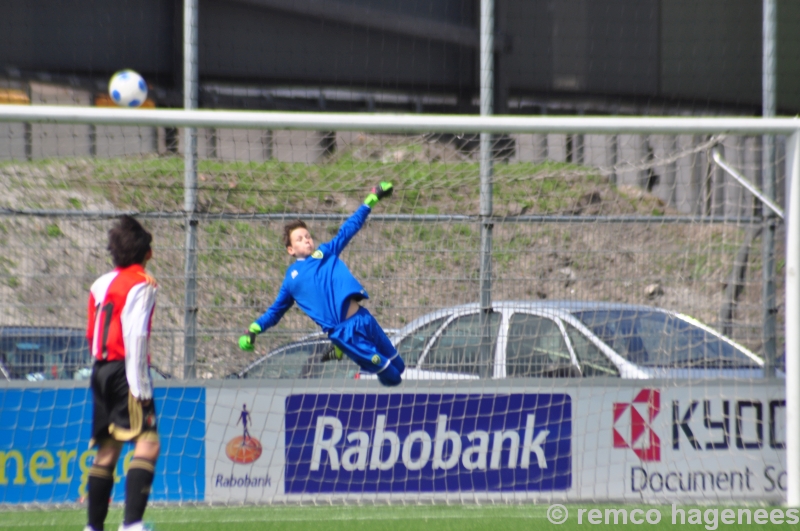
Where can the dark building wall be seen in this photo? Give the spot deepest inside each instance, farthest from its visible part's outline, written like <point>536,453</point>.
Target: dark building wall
<point>789,55</point>
<point>87,37</point>
<point>711,50</point>
<point>244,42</point>
<point>530,60</point>
<point>584,46</point>
<point>697,52</point>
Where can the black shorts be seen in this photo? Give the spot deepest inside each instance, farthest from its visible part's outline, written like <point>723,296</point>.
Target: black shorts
<point>117,414</point>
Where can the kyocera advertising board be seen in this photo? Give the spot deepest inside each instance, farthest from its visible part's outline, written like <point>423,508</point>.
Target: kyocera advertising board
<point>708,442</point>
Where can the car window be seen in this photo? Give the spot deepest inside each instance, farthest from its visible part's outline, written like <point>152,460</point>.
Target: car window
<point>44,357</point>
<point>286,363</point>
<point>410,347</point>
<point>691,346</point>
<point>458,347</point>
<point>592,360</point>
<point>301,361</point>
<point>316,368</point>
<point>536,348</point>
<point>651,338</point>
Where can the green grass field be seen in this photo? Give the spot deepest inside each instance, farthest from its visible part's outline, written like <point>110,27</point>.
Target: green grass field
<point>354,518</point>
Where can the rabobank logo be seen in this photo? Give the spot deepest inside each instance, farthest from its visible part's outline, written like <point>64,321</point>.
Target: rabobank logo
<point>428,442</point>
<point>243,449</point>
<point>633,423</point>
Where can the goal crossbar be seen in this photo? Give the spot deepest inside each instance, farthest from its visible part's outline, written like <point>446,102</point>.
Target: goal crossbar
<point>397,123</point>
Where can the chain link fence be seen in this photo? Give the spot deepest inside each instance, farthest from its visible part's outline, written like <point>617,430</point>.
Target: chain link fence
<point>626,218</point>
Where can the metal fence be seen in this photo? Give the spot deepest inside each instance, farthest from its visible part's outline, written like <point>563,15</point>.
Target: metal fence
<point>625,217</point>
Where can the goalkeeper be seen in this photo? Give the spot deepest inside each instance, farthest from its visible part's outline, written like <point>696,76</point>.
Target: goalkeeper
<point>327,292</point>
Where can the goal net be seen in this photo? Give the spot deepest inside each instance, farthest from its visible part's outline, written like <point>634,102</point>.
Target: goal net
<point>604,330</point>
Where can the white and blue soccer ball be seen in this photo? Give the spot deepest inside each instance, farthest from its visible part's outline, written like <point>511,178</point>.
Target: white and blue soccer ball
<point>127,88</point>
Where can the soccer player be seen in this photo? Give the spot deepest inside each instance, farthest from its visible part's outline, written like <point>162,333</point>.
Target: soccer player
<point>322,286</point>
<point>121,305</point>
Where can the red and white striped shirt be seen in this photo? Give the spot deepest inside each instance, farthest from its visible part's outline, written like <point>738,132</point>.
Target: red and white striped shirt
<point>121,305</point>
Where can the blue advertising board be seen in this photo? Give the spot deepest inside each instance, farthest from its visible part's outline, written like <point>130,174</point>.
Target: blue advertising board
<point>45,455</point>
<point>398,443</point>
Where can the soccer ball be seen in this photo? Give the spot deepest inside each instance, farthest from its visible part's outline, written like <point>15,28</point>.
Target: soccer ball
<point>127,88</point>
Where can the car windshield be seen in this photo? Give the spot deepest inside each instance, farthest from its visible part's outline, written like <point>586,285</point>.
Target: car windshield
<point>536,347</point>
<point>652,338</point>
<point>44,357</point>
<point>302,360</point>
<point>458,348</point>
<point>593,361</point>
<point>410,347</point>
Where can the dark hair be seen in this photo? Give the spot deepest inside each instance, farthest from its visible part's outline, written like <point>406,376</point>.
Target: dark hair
<point>128,242</point>
<point>289,227</point>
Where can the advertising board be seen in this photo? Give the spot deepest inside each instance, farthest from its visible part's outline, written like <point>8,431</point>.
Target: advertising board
<point>45,455</point>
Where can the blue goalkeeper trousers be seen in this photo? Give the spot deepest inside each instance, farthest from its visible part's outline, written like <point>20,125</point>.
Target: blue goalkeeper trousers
<point>365,342</point>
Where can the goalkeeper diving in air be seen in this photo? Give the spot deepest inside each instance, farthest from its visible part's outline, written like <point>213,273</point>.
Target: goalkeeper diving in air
<point>323,287</point>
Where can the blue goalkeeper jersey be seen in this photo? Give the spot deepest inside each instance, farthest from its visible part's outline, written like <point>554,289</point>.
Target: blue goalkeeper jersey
<point>321,284</point>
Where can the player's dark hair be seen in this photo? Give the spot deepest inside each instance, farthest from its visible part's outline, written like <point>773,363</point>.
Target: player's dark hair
<point>289,227</point>
<point>128,242</point>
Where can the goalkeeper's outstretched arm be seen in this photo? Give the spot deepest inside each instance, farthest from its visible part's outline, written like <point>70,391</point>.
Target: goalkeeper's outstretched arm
<point>268,319</point>
<point>378,192</point>
<point>356,221</point>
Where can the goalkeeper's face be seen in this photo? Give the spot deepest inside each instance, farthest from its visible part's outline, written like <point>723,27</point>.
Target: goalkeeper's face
<point>302,244</point>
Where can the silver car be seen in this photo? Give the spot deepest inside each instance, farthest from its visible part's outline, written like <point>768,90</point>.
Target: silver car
<point>302,359</point>
<point>568,339</point>
<point>298,359</point>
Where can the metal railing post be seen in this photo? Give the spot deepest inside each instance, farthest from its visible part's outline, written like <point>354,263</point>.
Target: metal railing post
<point>190,91</point>
<point>486,170</point>
<point>793,323</point>
<point>768,186</point>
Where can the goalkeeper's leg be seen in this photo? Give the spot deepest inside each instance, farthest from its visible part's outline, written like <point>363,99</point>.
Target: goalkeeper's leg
<point>334,353</point>
<point>390,374</point>
<point>365,342</point>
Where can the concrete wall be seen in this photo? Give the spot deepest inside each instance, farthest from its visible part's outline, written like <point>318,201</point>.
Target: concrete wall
<point>671,166</point>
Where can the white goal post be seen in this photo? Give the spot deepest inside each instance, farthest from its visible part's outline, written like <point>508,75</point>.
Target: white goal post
<point>397,123</point>
<point>389,123</point>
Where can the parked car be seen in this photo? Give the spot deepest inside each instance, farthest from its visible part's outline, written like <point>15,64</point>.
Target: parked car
<point>537,339</point>
<point>48,353</point>
<point>569,339</point>
<point>42,353</point>
<point>298,359</point>
<point>301,359</point>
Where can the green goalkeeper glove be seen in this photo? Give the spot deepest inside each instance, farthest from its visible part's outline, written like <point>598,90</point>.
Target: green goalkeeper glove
<point>248,342</point>
<point>384,189</point>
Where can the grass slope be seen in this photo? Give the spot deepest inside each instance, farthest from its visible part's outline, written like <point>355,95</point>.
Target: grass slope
<point>408,269</point>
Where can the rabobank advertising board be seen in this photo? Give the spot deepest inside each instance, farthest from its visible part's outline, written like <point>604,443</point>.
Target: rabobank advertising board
<point>360,443</point>
<point>620,440</point>
<point>44,445</point>
<point>266,445</point>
